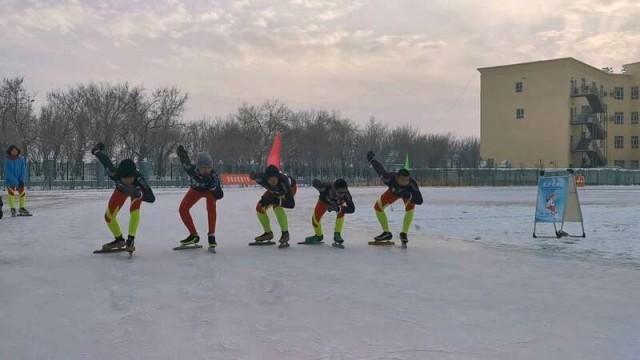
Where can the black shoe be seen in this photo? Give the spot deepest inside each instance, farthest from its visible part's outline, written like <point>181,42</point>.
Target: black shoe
<point>13,212</point>
<point>131,244</point>
<point>118,243</point>
<point>385,236</point>
<point>24,212</point>
<point>190,240</point>
<point>264,237</point>
<point>337,237</point>
<point>212,241</point>
<point>284,239</point>
<point>404,239</point>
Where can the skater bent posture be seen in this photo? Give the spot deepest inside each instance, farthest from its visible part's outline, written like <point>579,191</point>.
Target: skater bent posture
<point>15,173</point>
<point>281,189</point>
<point>400,186</point>
<point>333,197</point>
<point>205,184</point>
<point>129,184</point>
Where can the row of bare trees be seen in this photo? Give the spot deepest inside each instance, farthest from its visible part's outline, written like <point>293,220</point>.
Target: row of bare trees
<point>148,125</point>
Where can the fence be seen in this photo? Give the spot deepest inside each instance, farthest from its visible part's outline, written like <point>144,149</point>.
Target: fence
<point>91,175</point>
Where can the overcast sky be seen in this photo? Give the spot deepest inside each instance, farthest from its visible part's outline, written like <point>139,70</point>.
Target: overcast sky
<point>403,61</point>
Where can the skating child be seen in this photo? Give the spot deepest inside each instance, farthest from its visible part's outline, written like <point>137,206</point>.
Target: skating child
<point>129,184</point>
<point>205,184</point>
<point>281,189</point>
<point>400,186</point>
<point>15,174</point>
<point>333,197</point>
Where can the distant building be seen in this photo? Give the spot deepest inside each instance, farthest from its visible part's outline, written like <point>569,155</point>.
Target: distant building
<point>560,113</point>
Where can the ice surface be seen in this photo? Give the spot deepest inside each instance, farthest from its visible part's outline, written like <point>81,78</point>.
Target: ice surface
<point>504,296</point>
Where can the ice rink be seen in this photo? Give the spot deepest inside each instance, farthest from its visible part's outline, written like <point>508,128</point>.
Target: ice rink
<point>472,285</point>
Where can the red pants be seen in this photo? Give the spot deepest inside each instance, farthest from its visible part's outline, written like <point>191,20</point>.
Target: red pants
<point>389,198</point>
<point>320,210</point>
<point>117,200</point>
<point>190,198</point>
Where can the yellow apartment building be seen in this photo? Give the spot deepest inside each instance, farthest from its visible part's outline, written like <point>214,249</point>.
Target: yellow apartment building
<point>560,113</point>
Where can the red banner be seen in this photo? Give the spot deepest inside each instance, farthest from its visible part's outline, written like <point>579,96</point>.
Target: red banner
<point>236,179</point>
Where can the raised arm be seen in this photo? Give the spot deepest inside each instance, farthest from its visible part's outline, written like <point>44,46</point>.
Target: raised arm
<point>380,170</point>
<point>188,167</point>
<point>98,152</point>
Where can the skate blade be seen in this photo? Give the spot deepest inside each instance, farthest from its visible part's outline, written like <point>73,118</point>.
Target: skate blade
<point>107,251</point>
<point>283,246</point>
<point>187,247</point>
<point>24,215</point>
<point>382,243</point>
<point>261,243</point>
<point>212,249</point>
<point>339,246</point>
<point>310,243</point>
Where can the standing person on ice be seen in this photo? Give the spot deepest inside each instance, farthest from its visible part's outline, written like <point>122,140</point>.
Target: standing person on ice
<point>281,189</point>
<point>129,184</point>
<point>400,186</point>
<point>15,176</point>
<point>205,184</point>
<point>333,197</point>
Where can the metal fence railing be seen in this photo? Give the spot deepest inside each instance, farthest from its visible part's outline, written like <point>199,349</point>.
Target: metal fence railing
<point>91,175</point>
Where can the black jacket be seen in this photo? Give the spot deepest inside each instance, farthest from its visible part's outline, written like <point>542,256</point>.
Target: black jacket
<point>279,195</point>
<point>409,192</point>
<point>204,183</point>
<point>139,188</point>
<point>336,202</point>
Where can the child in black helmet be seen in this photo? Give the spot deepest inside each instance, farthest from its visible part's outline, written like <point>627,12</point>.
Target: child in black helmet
<point>129,184</point>
<point>333,197</point>
<point>279,194</point>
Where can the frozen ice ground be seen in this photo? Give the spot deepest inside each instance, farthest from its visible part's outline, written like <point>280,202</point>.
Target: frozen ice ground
<point>504,296</point>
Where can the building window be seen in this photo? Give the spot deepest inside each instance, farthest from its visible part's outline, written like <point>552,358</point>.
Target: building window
<point>635,92</point>
<point>619,93</point>
<point>618,118</point>
<point>635,164</point>
<point>519,86</point>
<point>634,142</point>
<point>519,113</point>
<point>618,163</point>
<point>618,142</point>
<point>634,118</point>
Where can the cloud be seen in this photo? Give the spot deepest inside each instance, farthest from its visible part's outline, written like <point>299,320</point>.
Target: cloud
<point>404,62</point>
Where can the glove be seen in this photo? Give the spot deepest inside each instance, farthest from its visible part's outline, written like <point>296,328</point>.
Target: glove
<point>183,156</point>
<point>334,207</point>
<point>96,149</point>
<point>264,201</point>
<point>405,194</point>
<point>130,190</point>
<point>370,155</point>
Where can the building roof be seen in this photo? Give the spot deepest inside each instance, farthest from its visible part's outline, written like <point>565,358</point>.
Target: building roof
<point>549,61</point>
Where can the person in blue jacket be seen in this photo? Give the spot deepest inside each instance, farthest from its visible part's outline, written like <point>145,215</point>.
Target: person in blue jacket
<point>15,177</point>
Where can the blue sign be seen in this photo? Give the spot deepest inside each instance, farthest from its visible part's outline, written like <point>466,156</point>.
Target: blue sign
<point>552,198</point>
